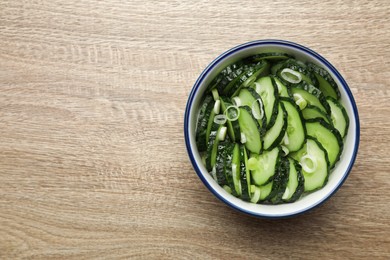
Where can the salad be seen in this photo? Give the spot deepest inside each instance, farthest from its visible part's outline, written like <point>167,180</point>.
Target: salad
<point>270,128</point>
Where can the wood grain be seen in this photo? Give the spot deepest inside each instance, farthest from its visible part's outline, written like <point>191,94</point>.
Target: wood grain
<point>92,157</point>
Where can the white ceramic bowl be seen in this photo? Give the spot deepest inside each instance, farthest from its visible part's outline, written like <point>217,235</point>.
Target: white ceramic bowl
<point>338,174</point>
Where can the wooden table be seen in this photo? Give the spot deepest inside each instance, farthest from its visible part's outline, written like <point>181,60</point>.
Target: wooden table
<point>92,156</point>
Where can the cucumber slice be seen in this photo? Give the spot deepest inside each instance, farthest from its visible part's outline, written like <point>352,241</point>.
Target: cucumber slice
<point>219,167</point>
<point>227,75</point>
<point>282,89</point>
<point>223,148</point>
<point>247,97</point>
<point>325,81</point>
<point>339,116</point>
<point>328,136</point>
<point>287,117</point>
<point>245,79</point>
<point>236,169</point>
<point>296,182</point>
<point>275,134</point>
<point>266,165</point>
<point>232,126</point>
<point>210,124</point>
<point>296,131</point>
<point>319,176</point>
<point>312,112</point>
<point>273,191</point>
<point>227,168</point>
<point>250,77</point>
<point>280,183</point>
<point>250,128</point>
<point>212,147</point>
<point>275,68</point>
<point>312,95</point>
<point>269,95</point>
<point>245,175</point>
<point>203,119</point>
<point>272,56</point>
<point>265,191</point>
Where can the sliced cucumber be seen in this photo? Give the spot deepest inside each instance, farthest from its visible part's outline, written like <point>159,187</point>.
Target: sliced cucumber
<point>227,74</point>
<point>286,117</point>
<point>328,136</point>
<point>236,169</point>
<point>265,166</point>
<point>245,175</point>
<point>248,97</point>
<point>203,119</point>
<point>231,73</point>
<point>275,67</point>
<point>317,177</point>
<point>269,95</point>
<point>280,182</point>
<point>339,116</point>
<point>312,112</point>
<point>275,134</point>
<point>250,129</point>
<point>296,182</point>
<point>212,147</point>
<point>273,190</point>
<point>325,81</point>
<point>245,79</point>
<point>282,89</point>
<point>223,149</point>
<point>232,126</point>
<point>219,166</point>
<point>250,77</point>
<point>296,131</point>
<point>210,124</point>
<point>227,169</point>
<point>265,191</point>
<point>272,56</point>
<point>311,95</point>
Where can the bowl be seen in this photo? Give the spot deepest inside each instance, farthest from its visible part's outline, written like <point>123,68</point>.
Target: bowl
<point>339,173</point>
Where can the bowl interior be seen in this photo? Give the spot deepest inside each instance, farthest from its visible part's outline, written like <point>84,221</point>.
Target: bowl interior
<point>338,174</point>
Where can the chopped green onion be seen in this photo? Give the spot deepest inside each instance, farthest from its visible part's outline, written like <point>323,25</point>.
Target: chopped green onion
<point>203,157</point>
<point>252,163</point>
<point>256,192</point>
<point>300,101</point>
<point>214,173</point>
<point>252,188</point>
<point>222,133</point>
<point>236,178</point>
<point>254,111</point>
<point>243,138</point>
<point>232,113</point>
<point>227,188</point>
<point>234,169</point>
<point>237,101</point>
<point>220,119</point>
<point>291,76</point>
<point>217,107</point>
<point>215,94</point>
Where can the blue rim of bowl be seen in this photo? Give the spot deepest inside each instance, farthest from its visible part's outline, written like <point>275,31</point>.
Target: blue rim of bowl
<point>231,51</point>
